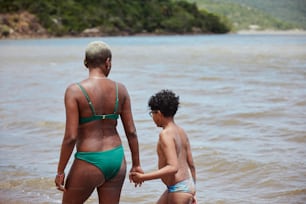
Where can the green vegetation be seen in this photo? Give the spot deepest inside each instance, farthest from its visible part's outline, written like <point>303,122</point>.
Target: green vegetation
<point>267,14</point>
<point>290,11</point>
<point>117,17</point>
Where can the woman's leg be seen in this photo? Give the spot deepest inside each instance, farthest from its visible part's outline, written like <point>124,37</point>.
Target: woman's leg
<point>109,192</point>
<point>82,179</point>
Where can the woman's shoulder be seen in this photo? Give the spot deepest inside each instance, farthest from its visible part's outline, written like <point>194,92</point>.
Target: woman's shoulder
<point>73,87</point>
<point>121,88</point>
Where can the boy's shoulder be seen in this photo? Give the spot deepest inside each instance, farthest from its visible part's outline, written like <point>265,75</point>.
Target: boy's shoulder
<point>173,131</point>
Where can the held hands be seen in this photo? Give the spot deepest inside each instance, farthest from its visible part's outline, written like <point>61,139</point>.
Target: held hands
<point>59,182</point>
<point>136,177</point>
<point>135,174</point>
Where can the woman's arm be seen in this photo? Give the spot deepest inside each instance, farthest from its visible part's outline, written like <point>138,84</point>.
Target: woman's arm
<point>71,132</point>
<point>130,130</point>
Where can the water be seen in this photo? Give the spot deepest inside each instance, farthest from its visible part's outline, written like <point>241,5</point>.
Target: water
<point>243,104</point>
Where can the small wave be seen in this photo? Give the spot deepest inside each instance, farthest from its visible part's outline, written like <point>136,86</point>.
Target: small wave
<point>230,122</point>
<point>25,190</point>
<point>287,196</point>
<point>301,103</point>
<point>206,78</point>
<point>51,124</point>
<point>216,163</point>
<point>293,192</point>
<point>30,124</point>
<point>258,114</point>
<point>297,138</point>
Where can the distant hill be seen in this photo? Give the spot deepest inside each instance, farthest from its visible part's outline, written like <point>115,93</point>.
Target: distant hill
<point>106,17</point>
<point>267,14</point>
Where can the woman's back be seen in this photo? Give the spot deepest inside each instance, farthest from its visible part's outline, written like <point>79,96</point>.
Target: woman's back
<point>97,99</point>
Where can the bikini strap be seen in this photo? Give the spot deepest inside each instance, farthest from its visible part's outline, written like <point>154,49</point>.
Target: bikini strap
<point>87,98</point>
<point>117,99</point>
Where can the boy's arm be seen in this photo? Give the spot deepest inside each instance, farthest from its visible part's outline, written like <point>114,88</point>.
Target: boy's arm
<point>190,161</point>
<point>168,151</point>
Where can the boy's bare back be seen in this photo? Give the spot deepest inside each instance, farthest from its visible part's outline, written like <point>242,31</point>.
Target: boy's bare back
<point>174,138</point>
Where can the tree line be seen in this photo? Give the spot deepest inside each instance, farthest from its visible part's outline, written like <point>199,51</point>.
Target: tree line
<point>117,17</point>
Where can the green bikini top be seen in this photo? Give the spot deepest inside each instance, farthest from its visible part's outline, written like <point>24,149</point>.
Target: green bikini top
<point>113,116</point>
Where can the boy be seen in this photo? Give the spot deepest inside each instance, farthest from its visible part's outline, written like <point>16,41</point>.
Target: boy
<point>175,162</point>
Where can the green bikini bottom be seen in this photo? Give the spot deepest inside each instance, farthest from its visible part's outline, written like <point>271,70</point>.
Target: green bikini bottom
<point>109,161</point>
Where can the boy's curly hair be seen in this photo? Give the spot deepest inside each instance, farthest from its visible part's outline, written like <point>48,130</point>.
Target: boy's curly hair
<point>165,101</point>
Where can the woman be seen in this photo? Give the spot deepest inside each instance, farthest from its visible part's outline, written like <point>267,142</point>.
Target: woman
<point>92,109</point>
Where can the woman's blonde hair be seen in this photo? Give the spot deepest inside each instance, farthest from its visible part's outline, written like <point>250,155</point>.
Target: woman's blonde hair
<point>97,53</point>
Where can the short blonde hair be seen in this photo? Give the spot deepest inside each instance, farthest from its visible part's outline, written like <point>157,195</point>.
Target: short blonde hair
<point>97,53</point>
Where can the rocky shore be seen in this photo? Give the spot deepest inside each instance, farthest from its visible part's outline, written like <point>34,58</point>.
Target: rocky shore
<point>21,25</point>
<point>24,25</point>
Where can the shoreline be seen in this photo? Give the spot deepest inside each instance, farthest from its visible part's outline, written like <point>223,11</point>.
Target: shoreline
<point>240,32</point>
<point>272,32</point>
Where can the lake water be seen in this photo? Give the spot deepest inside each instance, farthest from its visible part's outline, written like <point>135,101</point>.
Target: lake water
<point>243,105</point>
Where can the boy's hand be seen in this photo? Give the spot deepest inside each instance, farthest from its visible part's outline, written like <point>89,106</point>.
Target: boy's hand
<point>136,170</point>
<point>136,177</point>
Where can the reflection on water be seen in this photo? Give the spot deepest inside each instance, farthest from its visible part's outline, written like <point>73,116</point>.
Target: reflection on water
<point>243,104</point>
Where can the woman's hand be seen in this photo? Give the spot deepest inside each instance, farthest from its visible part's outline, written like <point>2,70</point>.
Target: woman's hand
<point>59,181</point>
